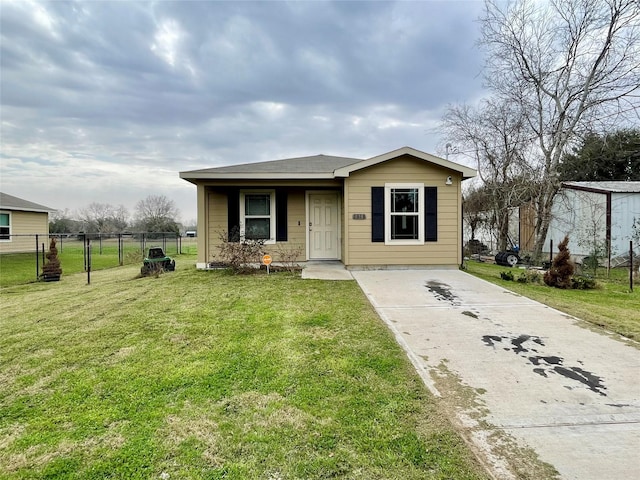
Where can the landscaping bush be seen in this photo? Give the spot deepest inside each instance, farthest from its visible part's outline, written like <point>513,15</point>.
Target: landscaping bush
<point>529,276</point>
<point>288,256</point>
<point>242,256</point>
<point>507,276</point>
<point>561,271</point>
<point>583,282</point>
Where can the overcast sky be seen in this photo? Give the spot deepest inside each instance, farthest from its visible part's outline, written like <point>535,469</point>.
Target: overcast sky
<point>107,101</point>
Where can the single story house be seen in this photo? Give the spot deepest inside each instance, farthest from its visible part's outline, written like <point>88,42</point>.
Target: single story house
<point>604,215</point>
<point>401,208</point>
<point>20,220</point>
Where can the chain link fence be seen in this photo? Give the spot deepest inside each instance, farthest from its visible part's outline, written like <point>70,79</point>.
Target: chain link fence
<point>22,256</point>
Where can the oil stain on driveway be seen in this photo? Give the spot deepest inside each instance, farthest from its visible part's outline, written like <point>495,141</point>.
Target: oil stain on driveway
<point>540,381</point>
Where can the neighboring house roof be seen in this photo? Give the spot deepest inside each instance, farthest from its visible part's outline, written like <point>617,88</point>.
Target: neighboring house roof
<point>314,167</point>
<point>9,202</point>
<point>604,187</point>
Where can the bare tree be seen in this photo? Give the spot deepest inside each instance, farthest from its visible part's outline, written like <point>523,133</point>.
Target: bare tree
<point>157,213</point>
<point>103,218</point>
<point>61,221</point>
<point>120,219</point>
<point>568,64</point>
<point>494,134</point>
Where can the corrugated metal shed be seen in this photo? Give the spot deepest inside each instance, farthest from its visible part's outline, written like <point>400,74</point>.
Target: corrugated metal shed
<point>602,213</point>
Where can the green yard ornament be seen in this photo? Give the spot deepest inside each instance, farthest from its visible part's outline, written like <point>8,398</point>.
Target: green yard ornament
<point>51,270</point>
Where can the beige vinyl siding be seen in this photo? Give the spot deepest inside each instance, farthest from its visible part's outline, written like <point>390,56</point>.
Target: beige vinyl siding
<point>202,238</point>
<point>28,224</point>
<point>296,236</point>
<point>217,222</point>
<point>361,251</point>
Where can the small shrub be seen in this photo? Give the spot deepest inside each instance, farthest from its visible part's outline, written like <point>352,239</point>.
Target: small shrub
<point>583,282</point>
<point>240,255</point>
<point>591,262</point>
<point>507,276</point>
<point>288,256</point>
<point>561,271</point>
<point>529,276</point>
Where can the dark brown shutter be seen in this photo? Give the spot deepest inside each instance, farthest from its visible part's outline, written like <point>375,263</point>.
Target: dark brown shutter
<point>430,214</point>
<point>281,215</point>
<point>377,214</point>
<point>233,214</point>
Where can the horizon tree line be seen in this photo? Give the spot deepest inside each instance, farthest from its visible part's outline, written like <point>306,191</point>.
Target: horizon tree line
<point>155,213</point>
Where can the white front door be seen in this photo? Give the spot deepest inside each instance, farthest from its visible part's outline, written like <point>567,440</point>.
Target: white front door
<point>323,226</point>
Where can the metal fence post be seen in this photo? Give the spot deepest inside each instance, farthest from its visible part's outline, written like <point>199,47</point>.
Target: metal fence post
<point>88,255</point>
<point>120,249</point>
<point>631,265</point>
<point>37,258</point>
<point>84,250</point>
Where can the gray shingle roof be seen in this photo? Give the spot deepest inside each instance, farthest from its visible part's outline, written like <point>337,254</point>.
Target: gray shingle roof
<point>316,164</point>
<point>314,167</point>
<point>9,202</point>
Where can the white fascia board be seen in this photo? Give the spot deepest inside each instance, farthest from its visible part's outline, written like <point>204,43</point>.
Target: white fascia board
<point>466,171</point>
<point>255,176</point>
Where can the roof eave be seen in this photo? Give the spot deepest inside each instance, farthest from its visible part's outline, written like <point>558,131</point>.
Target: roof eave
<point>595,188</point>
<point>465,171</point>
<point>25,209</point>
<point>191,176</point>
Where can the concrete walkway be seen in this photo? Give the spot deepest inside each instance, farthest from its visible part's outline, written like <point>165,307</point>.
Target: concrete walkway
<point>537,380</point>
<point>325,270</point>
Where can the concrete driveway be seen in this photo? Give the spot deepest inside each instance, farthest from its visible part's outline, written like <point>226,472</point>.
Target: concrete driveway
<point>525,379</point>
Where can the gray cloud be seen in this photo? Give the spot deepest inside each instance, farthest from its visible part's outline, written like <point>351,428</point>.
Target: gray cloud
<point>107,101</point>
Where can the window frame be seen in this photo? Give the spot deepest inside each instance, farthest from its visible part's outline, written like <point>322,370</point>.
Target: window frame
<point>8,235</point>
<point>388,214</point>
<point>272,213</point>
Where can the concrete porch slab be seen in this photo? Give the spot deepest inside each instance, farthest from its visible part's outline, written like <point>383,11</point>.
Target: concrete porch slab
<point>325,270</point>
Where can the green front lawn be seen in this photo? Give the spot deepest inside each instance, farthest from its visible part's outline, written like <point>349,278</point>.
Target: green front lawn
<point>611,306</point>
<point>194,375</point>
